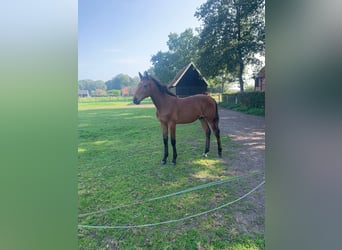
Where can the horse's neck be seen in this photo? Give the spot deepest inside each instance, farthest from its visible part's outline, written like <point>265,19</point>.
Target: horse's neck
<point>161,100</point>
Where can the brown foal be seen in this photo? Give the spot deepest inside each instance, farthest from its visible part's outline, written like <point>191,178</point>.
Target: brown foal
<point>172,110</point>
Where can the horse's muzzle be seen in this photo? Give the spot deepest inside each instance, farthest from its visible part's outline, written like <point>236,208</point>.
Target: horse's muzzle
<point>136,101</point>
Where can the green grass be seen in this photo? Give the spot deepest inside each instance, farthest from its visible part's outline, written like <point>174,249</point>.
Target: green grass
<point>119,156</point>
<point>87,103</point>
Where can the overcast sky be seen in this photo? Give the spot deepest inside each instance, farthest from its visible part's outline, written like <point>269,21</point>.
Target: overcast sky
<point>120,36</point>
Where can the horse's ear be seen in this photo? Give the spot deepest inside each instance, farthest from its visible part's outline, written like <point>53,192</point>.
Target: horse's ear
<point>140,75</point>
<point>146,75</point>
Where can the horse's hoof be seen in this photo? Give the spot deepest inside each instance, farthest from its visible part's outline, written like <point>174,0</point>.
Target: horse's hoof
<point>219,155</point>
<point>173,162</point>
<point>204,155</point>
<point>163,162</point>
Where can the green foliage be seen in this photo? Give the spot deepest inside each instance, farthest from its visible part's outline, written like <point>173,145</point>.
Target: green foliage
<point>182,50</point>
<point>233,32</point>
<point>118,163</point>
<point>99,92</point>
<point>163,66</point>
<point>219,83</point>
<point>244,109</point>
<point>91,85</point>
<point>248,99</point>
<point>247,102</point>
<point>120,81</point>
<point>114,92</point>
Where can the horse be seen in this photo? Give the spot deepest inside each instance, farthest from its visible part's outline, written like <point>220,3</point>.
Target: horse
<point>172,110</point>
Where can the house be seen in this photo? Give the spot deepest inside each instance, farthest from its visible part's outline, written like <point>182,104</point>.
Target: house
<point>189,81</point>
<point>124,91</point>
<point>260,80</point>
<point>83,93</point>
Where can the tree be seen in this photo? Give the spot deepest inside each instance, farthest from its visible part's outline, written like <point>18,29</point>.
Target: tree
<point>135,80</point>
<point>91,85</point>
<point>163,66</point>
<point>182,50</point>
<point>233,32</point>
<point>120,81</point>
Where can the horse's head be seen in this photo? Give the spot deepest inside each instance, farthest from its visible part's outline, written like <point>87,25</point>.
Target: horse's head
<point>144,88</point>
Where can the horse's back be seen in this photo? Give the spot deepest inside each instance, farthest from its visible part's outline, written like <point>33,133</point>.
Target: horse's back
<point>195,107</point>
<point>200,100</point>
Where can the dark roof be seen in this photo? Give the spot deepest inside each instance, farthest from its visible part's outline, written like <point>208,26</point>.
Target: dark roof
<point>181,73</point>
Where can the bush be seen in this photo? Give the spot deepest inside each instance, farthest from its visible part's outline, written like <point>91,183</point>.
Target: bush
<point>247,102</point>
<point>248,99</point>
<point>114,92</point>
<point>99,92</point>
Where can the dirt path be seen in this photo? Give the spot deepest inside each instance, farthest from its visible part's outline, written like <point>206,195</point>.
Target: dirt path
<point>248,133</point>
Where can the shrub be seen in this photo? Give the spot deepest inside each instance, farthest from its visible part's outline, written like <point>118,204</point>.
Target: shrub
<point>248,99</point>
<point>247,102</point>
<point>114,92</point>
<point>99,92</point>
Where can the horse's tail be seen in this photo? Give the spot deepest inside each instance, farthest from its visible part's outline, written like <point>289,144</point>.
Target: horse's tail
<point>217,118</point>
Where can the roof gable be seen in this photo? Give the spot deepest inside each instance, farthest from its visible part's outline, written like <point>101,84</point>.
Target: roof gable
<point>187,70</point>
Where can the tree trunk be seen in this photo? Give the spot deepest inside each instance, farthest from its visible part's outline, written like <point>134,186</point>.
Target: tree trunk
<point>222,90</point>
<point>241,67</point>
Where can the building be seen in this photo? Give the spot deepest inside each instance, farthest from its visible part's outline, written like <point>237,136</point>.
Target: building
<point>83,93</point>
<point>189,81</point>
<point>260,80</point>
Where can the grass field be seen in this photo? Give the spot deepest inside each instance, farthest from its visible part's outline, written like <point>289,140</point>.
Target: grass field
<point>120,148</point>
<point>106,102</point>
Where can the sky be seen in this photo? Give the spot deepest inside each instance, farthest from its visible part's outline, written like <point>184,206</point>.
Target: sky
<point>120,36</point>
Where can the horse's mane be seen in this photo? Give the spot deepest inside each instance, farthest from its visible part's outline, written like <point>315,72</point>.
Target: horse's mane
<point>162,88</point>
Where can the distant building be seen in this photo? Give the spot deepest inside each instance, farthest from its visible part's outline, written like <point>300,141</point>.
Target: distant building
<point>189,81</point>
<point>260,80</point>
<point>124,91</point>
<point>83,93</point>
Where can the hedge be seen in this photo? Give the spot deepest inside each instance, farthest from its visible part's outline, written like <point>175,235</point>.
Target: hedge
<point>248,99</point>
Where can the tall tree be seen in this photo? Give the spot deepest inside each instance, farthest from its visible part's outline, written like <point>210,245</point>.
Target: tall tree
<point>163,66</point>
<point>233,32</point>
<point>91,85</point>
<point>182,50</point>
<point>119,81</point>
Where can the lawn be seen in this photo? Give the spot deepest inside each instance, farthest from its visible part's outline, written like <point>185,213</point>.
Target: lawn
<point>106,102</point>
<point>119,153</point>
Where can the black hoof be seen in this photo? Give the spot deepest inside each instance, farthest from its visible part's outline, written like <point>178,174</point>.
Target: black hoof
<point>205,155</point>
<point>163,162</point>
<point>173,162</point>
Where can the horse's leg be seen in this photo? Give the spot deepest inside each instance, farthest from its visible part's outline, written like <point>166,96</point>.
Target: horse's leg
<point>207,132</point>
<point>166,146</point>
<point>173,143</point>
<point>215,128</point>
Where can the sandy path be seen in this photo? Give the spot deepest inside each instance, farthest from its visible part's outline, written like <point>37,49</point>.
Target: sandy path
<point>248,132</point>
